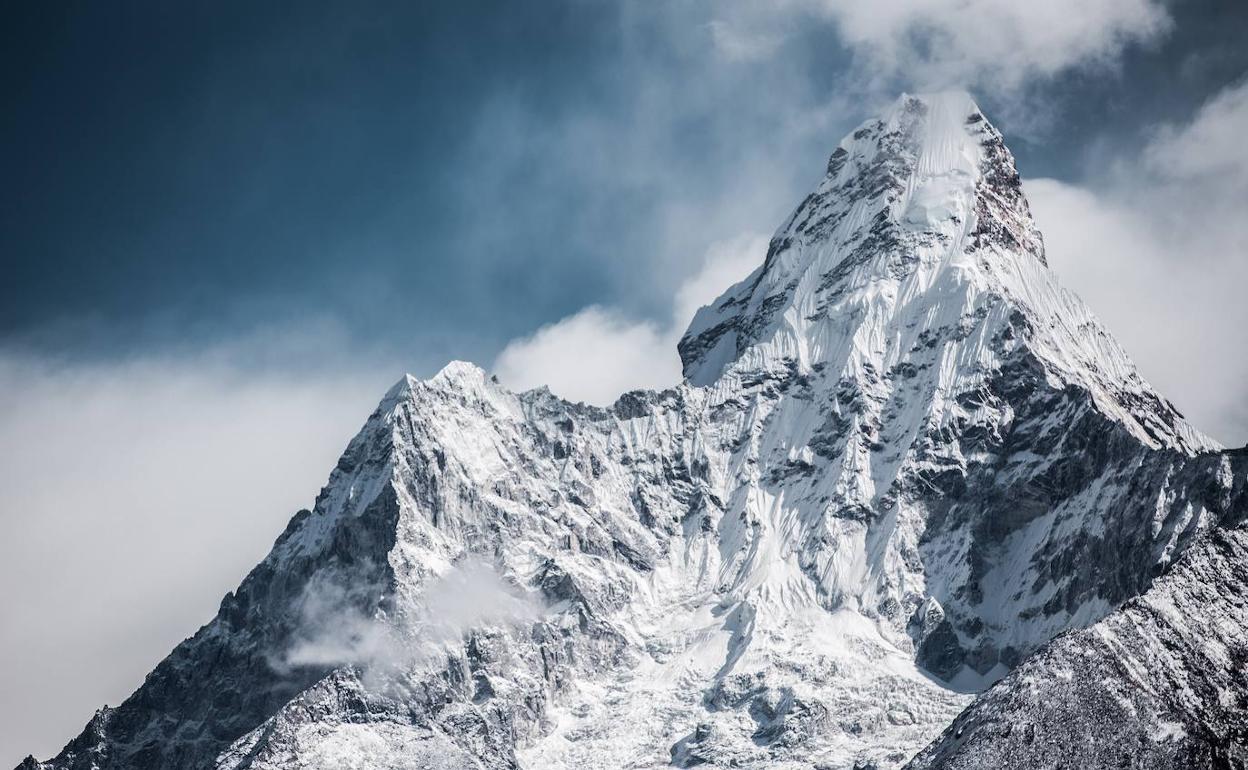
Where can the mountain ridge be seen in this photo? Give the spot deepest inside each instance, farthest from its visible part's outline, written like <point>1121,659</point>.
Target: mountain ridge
<point>902,461</point>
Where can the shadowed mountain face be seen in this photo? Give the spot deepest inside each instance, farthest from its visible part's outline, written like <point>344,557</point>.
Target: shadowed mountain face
<point>1161,683</point>
<point>903,459</point>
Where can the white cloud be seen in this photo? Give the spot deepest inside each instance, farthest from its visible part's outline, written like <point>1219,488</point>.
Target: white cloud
<point>725,263</point>
<point>1161,253</point>
<point>135,495</point>
<point>965,41</point>
<point>593,356</point>
<point>988,44</point>
<point>1211,149</point>
<point>597,354</point>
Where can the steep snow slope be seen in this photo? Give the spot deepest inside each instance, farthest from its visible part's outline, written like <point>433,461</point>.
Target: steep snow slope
<point>903,459</point>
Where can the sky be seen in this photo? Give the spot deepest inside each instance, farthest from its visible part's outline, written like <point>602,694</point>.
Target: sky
<point>227,228</point>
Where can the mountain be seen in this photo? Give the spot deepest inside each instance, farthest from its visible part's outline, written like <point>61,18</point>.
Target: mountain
<point>903,459</point>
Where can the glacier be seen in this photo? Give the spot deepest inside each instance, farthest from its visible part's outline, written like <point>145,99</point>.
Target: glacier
<point>904,469</point>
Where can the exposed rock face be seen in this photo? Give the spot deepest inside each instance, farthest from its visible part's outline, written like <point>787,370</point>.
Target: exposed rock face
<point>903,459</point>
<point>1160,683</point>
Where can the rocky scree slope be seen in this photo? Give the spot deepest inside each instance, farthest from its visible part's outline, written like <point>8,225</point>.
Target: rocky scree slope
<point>903,459</point>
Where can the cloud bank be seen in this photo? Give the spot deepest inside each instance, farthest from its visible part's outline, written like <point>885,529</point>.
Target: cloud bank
<point>136,493</point>
<point>1159,249</point>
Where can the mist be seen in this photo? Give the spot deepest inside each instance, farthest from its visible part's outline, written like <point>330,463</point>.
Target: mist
<point>137,493</point>
<point>469,596</point>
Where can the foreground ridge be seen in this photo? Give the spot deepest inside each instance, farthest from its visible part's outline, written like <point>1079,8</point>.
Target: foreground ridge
<point>1157,684</point>
<point>903,460</point>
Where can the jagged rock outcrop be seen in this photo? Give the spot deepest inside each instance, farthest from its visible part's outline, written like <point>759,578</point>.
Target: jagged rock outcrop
<point>903,459</point>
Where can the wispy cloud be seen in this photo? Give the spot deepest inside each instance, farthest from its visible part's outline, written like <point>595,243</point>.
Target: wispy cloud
<point>1159,249</point>
<point>334,631</point>
<point>994,45</point>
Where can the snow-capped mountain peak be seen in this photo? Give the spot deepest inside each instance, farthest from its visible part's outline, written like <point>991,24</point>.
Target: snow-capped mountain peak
<point>905,196</point>
<point>903,459</point>
<point>919,227</point>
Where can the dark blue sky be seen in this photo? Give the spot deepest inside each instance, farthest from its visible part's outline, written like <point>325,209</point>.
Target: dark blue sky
<point>434,179</point>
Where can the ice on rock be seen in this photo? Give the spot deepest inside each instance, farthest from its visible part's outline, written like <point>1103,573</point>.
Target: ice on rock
<point>903,460</point>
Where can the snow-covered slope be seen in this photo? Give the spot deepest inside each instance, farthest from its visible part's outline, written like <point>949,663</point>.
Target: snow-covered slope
<point>903,459</point>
